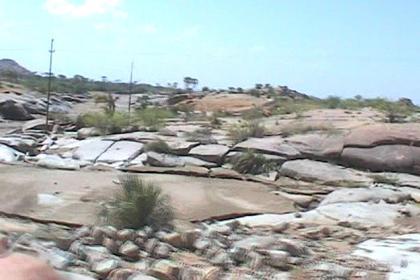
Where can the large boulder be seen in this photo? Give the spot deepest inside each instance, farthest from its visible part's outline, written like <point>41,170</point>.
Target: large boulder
<point>12,110</point>
<point>384,134</point>
<point>309,170</point>
<point>315,145</point>
<point>121,151</point>
<point>210,152</point>
<point>274,145</point>
<point>395,158</point>
<point>365,195</point>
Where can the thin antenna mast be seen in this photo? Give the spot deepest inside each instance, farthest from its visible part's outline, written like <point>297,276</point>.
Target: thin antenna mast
<point>51,51</point>
<point>130,90</point>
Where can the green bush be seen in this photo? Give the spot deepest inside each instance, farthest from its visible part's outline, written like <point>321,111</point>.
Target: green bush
<point>202,135</point>
<point>138,204</point>
<point>253,114</point>
<point>393,111</point>
<point>158,146</point>
<point>241,132</point>
<point>106,123</point>
<point>251,163</point>
<point>153,118</point>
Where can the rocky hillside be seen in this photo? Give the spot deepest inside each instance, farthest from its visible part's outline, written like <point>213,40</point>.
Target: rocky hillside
<point>9,65</point>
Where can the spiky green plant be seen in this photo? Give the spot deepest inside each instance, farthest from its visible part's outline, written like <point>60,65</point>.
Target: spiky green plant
<point>139,204</point>
<point>251,163</point>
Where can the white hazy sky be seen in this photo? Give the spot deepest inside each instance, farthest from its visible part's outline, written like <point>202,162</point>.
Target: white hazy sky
<point>321,47</point>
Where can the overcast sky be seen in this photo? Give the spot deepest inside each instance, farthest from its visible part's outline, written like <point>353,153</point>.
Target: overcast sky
<point>321,48</point>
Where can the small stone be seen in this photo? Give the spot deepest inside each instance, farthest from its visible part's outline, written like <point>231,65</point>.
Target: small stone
<point>221,259</point>
<point>298,215</point>
<point>98,235</point>
<point>162,251</point>
<point>255,260</point>
<point>278,259</point>
<point>281,227</point>
<point>110,232</point>
<point>130,250</point>
<point>126,234</point>
<point>174,239</point>
<point>189,237</point>
<point>104,267</point>
<point>120,274</point>
<point>141,276</point>
<point>293,247</point>
<point>165,270</point>
<point>201,244</point>
<point>112,245</point>
<point>150,245</point>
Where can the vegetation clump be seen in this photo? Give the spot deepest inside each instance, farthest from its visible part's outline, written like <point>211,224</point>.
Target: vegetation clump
<point>158,146</point>
<point>153,118</point>
<point>251,163</point>
<point>107,123</point>
<point>138,204</point>
<point>299,127</point>
<point>242,132</point>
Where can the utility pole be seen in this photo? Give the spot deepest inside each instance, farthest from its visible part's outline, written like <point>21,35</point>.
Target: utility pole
<point>130,90</point>
<point>51,51</point>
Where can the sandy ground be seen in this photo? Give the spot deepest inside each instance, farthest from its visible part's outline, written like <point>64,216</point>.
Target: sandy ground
<point>75,196</point>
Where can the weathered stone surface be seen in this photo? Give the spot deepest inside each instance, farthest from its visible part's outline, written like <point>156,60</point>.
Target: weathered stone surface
<point>180,147</point>
<point>309,170</point>
<point>274,145</point>
<point>197,162</point>
<point>163,160</point>
<point>220,172</point>
<point>86,132</point>
<point>20,144</point>
<point>384,134</point>
<point>138,136</point>
<point>365,213</point>
<point>316,145</point>
<point>186,170</point>
<point>165,270</point>
<point>398,252</point>
<point>12,110</point>
<point>395,158</point>
<point>211,152</point>
<point>104,267</point>
<point>365,195</point>
<point>37,124</point>
<point>56,162</point>
<point>91,149</point>
<point>121,151</point>
<point>255,242</point>
<point>9,155</point>
<point>130,250</point>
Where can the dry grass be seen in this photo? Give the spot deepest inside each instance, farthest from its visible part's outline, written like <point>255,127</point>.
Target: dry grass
<point>300,127</point>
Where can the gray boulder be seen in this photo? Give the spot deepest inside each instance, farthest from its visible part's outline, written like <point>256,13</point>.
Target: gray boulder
<point>274,145</point>
<point>12,110</point>
<point>210,152</point>
<point>309,170</point>
<point>394,158</point>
